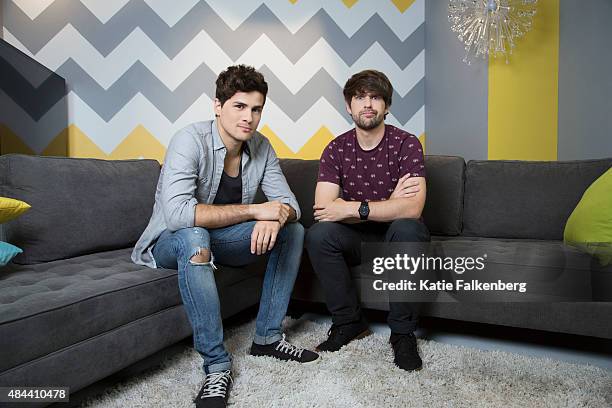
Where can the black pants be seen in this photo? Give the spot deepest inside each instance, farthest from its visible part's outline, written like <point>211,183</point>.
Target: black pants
<point>333,247</point>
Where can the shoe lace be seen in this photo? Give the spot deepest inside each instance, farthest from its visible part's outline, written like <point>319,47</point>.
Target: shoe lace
<point>285,347</point>
<point>215,384</point>
<point>334,333</point>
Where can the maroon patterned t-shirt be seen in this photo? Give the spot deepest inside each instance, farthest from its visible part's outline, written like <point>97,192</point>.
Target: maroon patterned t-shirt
<point>371,175</point>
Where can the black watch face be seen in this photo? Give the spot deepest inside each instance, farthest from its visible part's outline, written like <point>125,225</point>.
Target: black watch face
<point>364,210</point>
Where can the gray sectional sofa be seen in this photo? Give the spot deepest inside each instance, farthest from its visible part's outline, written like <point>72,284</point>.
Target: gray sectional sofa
<point>515,211</point>
<point>74,308</point>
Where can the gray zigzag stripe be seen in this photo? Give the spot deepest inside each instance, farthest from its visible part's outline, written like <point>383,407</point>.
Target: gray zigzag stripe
<point>34,34</point>
<point>172,104</point>
<point>323,85</point>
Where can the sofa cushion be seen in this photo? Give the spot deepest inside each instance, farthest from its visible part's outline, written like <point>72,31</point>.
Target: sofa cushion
<point>522,199</point>
<point>49,306</point>
<point>302,178</point>
<point>79,206</point>
<point>444,203</point>
<point>443,207</point>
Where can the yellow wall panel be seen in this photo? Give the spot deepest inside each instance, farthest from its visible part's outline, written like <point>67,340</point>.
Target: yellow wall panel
<point>523,95</point>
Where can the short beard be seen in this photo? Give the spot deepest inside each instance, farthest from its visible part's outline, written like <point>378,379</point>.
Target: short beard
<point>368,124</point>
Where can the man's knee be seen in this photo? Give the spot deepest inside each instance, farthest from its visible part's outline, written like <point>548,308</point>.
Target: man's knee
<point>321,233</point>
<point>196,244</point>
<point>202,256</point>
<point>407,230</point>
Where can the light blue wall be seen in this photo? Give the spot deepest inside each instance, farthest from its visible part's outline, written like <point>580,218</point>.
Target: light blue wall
<point>585,79</point>
<point>456,98</point>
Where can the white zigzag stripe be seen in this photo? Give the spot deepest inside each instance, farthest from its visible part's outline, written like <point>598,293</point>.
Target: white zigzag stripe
<point>33,8</point>
<point>69,43</point>
<point>137,46</point>
<point>139,111</point>
<point>322,55</point>
<point>172,11</point>
<point>104,10</point>
<point>294,16</point>
<point>235,12</point>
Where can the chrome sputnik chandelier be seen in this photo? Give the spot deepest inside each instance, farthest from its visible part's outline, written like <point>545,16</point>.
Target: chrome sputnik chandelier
<point>490,27</point>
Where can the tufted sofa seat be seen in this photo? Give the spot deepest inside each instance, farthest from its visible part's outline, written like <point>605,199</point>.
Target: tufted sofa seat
<point>74,308</point>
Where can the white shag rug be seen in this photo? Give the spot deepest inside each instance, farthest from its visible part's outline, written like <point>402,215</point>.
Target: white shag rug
<point>363,375</point>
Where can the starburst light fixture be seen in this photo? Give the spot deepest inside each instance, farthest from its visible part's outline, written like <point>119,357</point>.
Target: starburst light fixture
<point>490,27</point>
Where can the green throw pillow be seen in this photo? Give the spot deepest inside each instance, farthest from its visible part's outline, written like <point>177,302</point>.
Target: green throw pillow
<point>7,252</point>
<point>589,227</point>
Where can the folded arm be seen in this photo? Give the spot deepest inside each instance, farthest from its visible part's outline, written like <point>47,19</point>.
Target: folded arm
<point>406,201</point>
<point>218,216</point>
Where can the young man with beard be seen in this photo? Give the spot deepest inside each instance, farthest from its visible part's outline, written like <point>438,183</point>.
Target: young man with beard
<point>203,214</point>
<point>371,187</point>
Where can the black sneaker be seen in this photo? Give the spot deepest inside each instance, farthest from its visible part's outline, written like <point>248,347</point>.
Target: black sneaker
<point>283,350</point>
<point>340,336</point>
<point>405,350</point>
<point>215,390</point>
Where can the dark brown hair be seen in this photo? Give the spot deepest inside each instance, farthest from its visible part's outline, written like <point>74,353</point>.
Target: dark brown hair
<point>368,81</point>
<point>239,78</point>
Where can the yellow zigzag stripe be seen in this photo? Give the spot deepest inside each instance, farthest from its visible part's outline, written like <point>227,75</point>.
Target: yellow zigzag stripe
<point>312,149</point>
<point>402,5</point>
<point>10,143</point>
<point>349,3</point>
<point>72,142</point>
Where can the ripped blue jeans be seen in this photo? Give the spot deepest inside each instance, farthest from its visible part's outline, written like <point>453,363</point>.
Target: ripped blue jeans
<point>229,246</point>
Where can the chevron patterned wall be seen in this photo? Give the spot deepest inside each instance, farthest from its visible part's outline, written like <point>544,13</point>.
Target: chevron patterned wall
<point>139,70</point>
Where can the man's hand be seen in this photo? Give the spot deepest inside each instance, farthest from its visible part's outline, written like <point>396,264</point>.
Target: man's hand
<point>336,210</point>
<point>406,187</point>
<point>263,236</point>
<point>272,211</point>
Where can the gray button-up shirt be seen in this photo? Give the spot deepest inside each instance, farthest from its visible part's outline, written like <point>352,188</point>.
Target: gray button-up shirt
<point>191,173</point>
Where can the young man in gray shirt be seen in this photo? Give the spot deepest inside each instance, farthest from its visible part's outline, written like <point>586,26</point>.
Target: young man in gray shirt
<point>203,214</point>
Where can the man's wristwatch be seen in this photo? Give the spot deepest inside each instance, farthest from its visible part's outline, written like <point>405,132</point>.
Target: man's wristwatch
<point>364,210</point>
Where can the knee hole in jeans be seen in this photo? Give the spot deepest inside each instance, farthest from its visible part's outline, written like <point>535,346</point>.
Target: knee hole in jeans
<point>202,256</point>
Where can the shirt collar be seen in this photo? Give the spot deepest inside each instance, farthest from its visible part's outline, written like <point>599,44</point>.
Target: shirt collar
<point>218,142</point>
